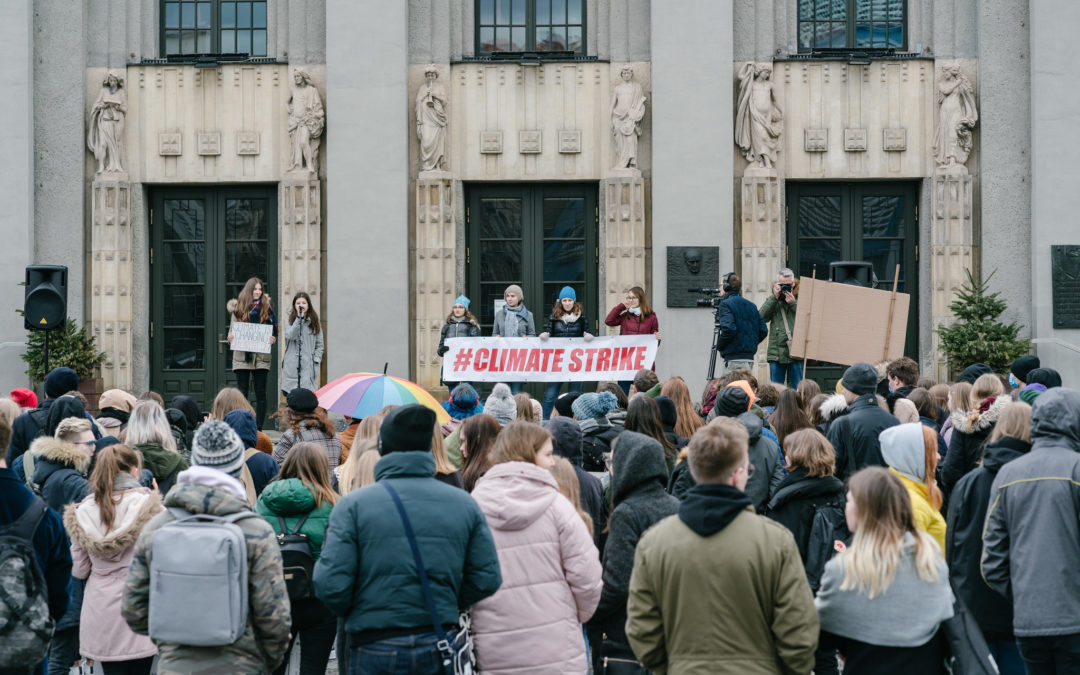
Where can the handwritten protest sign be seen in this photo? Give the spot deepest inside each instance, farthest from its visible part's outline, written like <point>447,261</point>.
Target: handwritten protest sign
<point>252,337</point>
<point>498,359</point>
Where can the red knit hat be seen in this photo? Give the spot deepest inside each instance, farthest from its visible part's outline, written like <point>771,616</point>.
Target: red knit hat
<point>24,397</point>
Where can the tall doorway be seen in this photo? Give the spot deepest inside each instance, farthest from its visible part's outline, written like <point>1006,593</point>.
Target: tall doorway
<point>204,245</point>
<point>539,236</point>
<point>873,222</point>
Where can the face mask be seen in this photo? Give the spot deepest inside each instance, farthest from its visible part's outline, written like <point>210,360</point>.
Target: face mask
<point>1012,380</point>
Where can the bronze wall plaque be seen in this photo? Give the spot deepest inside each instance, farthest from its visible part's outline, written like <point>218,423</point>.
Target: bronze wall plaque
<point>1065,277</point>
<point>691,267</point>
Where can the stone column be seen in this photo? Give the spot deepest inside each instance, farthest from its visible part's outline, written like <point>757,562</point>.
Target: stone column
<point>761,241</point>
<point>622,239</point>
<point>434,264</point>
<point>300,238</point>
<point>111,277</point>
<point>952,249</point>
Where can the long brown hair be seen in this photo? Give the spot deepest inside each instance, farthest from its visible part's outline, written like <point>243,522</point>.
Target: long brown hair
<point>519,442</point>
<point>110,461</point>
<point>558,312</point>
<point>468,316</point>
<point>293,419</point>
<point>643,303</point>
<point>788,417</point>
<point>307,462</point>
<point>808,449</point>
<point>524,407</point>
<point>478,434</point>
<point>228,400</point>
<point>569,487</point>
<point>244,301</point>
<point>643,416</point>
<point>687,420</point>
<point>312,315</point>
<point>806,390</point>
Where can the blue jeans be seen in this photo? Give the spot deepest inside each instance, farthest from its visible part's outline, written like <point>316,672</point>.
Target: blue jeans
<point>551,392</point>
<point>792,370</point>
<point>409,655</point>
<point>516,387</point>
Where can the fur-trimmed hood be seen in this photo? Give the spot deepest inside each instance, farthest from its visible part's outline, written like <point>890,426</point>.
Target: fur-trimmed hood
<point>59,452</point>
<point>972,421</point>
<point>135,508</point>
<point>833,407</point>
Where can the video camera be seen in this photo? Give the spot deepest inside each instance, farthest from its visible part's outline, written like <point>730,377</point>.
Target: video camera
<point>713,296</point>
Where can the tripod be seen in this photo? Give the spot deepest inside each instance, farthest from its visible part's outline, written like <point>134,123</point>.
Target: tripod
<point>710,373</point>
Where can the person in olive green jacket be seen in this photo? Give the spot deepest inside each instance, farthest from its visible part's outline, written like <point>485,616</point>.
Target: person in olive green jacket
<point>300,500</point>
<point>779,311</point>
<point>716,588</point>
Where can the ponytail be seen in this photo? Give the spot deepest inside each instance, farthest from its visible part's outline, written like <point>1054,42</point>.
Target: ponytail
<point>111,461</point>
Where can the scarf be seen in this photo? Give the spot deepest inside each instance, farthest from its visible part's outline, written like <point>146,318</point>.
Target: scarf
<point>511,317</point>
<point>124,481</point>
<point>636,311</point>
<point>570,318</point>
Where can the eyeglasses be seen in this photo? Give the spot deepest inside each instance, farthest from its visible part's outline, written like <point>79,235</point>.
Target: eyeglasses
<point>631,297</point>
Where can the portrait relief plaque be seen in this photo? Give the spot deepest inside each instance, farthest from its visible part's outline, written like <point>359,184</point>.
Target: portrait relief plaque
<point>691,267</point>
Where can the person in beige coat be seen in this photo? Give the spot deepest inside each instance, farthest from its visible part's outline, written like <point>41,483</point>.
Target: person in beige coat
<point>716,588</point>
<point>103,530</point>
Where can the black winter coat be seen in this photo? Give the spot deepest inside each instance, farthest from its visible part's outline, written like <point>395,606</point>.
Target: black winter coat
<point>796,499</point>
<point>457,328</point>
<point>596,437</point>
<point>855,436</point>
<point>741,328</point>
<point>562,329</point>
<point>681,481</point>
<point>26,428</point>
<point>963,540</point>
<point>970,432</point>
<point>638,477</point>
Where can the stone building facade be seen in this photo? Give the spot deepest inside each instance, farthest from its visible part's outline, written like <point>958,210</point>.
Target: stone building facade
<point>937,135</point>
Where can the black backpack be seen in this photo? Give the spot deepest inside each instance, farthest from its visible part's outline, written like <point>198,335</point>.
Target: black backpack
<point>26,625</point>
<point>594,446</point>
<point>297,560</point>
<point>829,535</point>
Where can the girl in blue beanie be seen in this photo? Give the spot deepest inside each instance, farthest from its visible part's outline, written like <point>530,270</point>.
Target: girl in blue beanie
<point>567,320</point>
<point>459,323</point>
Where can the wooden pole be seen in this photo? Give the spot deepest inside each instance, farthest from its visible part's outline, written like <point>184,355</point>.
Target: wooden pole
<point>892,306</point>
<point>806,339</point>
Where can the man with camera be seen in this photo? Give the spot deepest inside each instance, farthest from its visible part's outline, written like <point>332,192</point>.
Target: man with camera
<point>779,311</point>
<point>741,327</point>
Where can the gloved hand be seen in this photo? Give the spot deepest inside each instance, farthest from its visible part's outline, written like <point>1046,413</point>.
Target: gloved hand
<point>544,336</point>
<point>589,337</point>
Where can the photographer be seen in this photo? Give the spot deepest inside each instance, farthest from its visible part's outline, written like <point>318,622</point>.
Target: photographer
<point>741,327</point>
<point>779,311</point>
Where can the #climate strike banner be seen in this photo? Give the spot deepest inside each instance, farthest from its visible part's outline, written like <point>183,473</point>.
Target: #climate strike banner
<point>499,359</point>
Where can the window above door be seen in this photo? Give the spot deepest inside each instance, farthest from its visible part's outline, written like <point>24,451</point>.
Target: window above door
<point>190,27</point>
<point>852,25</point>
<point>552,28</point>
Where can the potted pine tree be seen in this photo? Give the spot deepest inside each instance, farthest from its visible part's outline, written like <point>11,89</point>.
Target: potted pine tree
<point>978,336</point>
<point>69,346</point>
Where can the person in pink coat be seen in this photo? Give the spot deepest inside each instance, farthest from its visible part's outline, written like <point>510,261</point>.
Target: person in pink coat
<point>103,529</point>
<point>551,573</point>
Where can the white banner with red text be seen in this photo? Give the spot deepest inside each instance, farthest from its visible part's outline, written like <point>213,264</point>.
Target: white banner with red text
<point>501,359</point>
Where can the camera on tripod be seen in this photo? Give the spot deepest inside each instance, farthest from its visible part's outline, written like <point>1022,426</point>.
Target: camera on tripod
<point>712,299</point>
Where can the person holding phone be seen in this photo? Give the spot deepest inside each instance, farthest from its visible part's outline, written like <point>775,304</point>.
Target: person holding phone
<point>304,346</point>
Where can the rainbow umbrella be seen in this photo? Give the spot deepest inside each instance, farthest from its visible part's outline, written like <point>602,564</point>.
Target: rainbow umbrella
<point>361,394</point>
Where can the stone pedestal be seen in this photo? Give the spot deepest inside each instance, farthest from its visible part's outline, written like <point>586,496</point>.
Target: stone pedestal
<point>111,277</point>
<point>952,250</point>
<point>300,239</point>
<point>622,238</point>
<point>761,241</point>
<point>434,265</point>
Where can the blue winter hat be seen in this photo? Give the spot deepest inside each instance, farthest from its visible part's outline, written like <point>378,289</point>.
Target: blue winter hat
<point>567,292</point>
<point>594,406</point>
<point>461,300</point>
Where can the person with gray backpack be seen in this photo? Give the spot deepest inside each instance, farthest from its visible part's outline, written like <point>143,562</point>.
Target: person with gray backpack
<point>220,603</point>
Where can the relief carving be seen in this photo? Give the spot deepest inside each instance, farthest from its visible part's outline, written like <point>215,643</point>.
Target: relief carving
<point>627,111</point>
<point>106,136</point>
<point>307,119</point>
<point>759,122</point>
<point>431,121</point>
<point>957,116</point>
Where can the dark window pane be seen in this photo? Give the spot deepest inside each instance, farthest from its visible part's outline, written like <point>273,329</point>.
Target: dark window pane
<point>487,39</point>
<point>839,10</point>
<point>806,35</point>
<point>172,15</point>
<point>862,34</point>
<point>245,219</point>
<point>573,11</point>
<point>228,15</point>
<point>187,42</point>
<point>896,35</point>
<point>886,254</point>
<point>258,43</point>
<point>819,252</point>
<point>862,9</point>
<point>502,39</point>
<point>564,217</point>
<point>500,261</point>
<point>543,12</point>
<point>819,216</point>
<point>543,39</point>
<point>489,293</point>
<point>228,42</point>
<point>880,10</point>
<point>502,11</point>
<point>839,34</point>
<point>184,349</point>
<point>500,218</point>
<point>202,18</point>
<point>184,219</point>
<point>243,42</point>
<point>883,216</point>
<point>806,9</point>
<point>824,35</point>
<point>564,260</point>
<point>823,10</point>
<point>558,38</point>
<point>243,15</point>
<point>184,263</point>
<point>517,12</point>
<point>896,10</point>
<point>487,11</point>
<point>183,305</point>
<point>517,39</point>
<point>203,41</point>
<point>187,15</point>
<point>258,15</point>
<point>172,42</point>
<point>245,260</point>
<point>573,38</point>
<point>558,11</point>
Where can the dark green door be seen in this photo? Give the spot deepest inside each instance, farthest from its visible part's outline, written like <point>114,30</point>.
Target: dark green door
<point>205,244</point>
<point>874,222</point>
<point>541,237</point>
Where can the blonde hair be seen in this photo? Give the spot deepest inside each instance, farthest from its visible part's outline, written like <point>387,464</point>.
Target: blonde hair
<point>438,449</point>
<point>307,462</point>
<point>71,426</point>
<point>884,519</point>
<point>359,470</point>
<point>986,386</point>
<point>228,400</point>
<point>1015,421</point>
<point>9,410</point>
<point>959,397</point>
<point>524,407</point>
<point>566,477</point>
<point>148,424</point>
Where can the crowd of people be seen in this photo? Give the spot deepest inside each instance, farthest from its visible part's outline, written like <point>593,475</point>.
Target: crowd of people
<point>898,525</point>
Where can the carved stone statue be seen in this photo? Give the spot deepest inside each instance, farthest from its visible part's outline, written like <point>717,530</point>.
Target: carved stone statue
<point>307,119</point>
<point>759,122</point>
<point>106,135</point>
<point>957,116</point>
<point>627,111</point>
<point>431,121</point>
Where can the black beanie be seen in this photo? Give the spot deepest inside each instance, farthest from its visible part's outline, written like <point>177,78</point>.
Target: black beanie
<point>669,415</point>
<point>1047,377</point>
<point>60,381</point>
<point>1024,365</point>
<point>406,429</point>
<point>302,400</point>
<point>563,403</point>
<point>731,402</point>
<point>972,372</point>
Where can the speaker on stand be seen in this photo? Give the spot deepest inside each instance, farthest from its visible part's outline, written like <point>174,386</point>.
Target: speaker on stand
<point>45,301</point>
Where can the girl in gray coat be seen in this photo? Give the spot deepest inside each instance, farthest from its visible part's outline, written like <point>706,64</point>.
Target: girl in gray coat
<point>513,320</point>
<point>303,346</point>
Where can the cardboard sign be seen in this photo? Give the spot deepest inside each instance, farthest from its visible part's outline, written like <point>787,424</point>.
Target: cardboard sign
<point>498,359</point>
<point>251,337</point>
<point>841,323</point>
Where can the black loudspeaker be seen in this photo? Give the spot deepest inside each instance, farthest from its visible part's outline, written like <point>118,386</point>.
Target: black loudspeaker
<point>45,303</point>
<point>854,273</point>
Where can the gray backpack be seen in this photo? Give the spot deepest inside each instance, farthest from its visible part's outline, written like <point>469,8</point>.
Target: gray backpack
<point>199,580</point>
<point>26,626</point>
